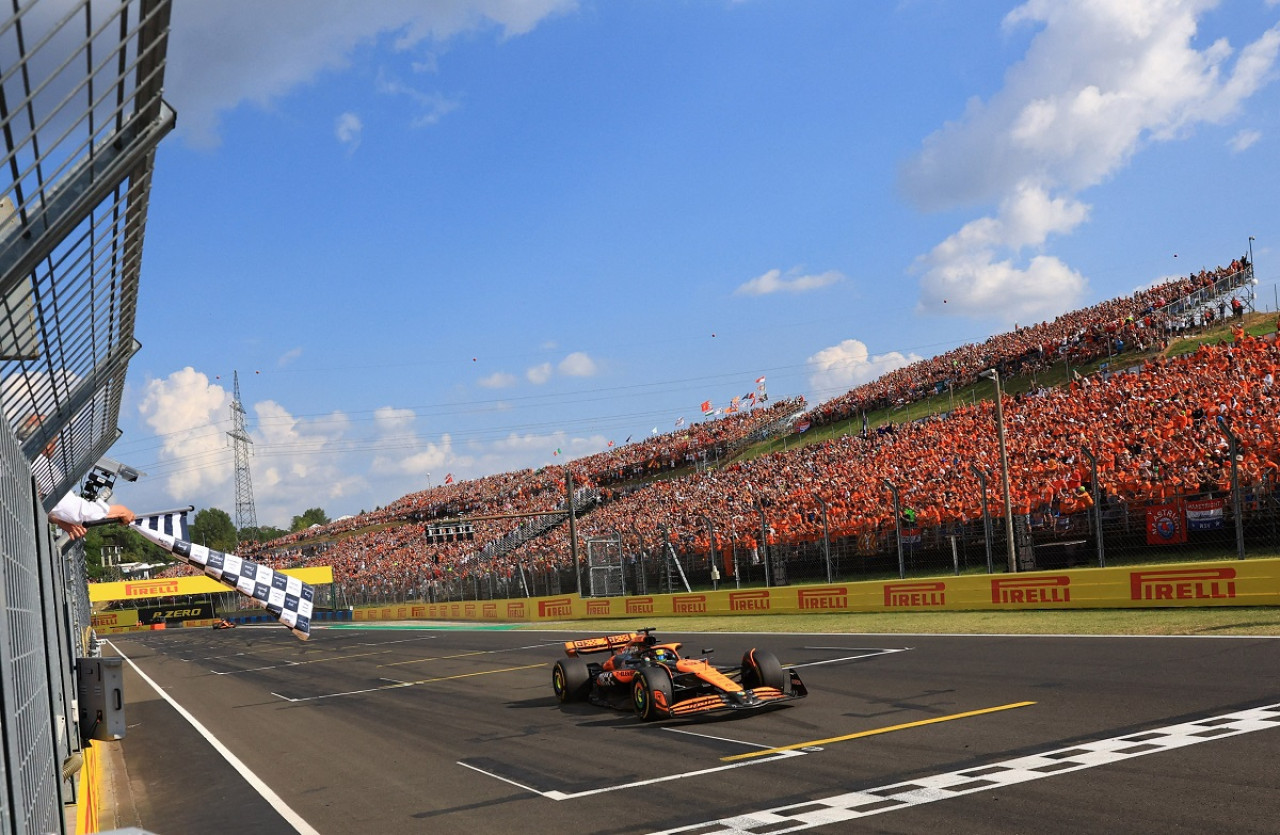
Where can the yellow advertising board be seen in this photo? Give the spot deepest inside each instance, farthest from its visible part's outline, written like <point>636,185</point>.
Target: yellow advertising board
<point>1236,583</point>
<point>176,586</point>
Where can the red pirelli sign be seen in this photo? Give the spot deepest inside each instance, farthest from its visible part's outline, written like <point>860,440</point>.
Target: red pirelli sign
<point>749,601</point>
<point>556,607</point>
<point>639,605</point>
<point>689,604</point>
<point>897,595</point>
<point>1031,591</point>
<point>836,597</point>
<point>1183,584</point>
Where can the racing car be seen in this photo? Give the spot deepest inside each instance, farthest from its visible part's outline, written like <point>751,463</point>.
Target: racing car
<point>634,669</point>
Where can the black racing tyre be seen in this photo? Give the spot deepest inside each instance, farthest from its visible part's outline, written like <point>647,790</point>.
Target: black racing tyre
<point>571,680</point>
<point>651,690</point>
<point>761,668</point>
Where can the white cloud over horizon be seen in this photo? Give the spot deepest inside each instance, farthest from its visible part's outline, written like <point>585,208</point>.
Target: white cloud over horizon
<point>849,364</point>
<point>1099,81</point>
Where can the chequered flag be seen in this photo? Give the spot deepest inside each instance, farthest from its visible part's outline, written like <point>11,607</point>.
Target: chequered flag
<point>287,598</point>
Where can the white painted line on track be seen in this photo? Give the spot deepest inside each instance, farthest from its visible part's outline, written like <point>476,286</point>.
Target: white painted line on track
<point>293,818</point>
<point>867,653</point>
<point>852,805</point>
<point>559,795</point>
<point>716,738</point>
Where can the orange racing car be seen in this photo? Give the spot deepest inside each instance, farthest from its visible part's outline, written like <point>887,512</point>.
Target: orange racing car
<point>659,683</point>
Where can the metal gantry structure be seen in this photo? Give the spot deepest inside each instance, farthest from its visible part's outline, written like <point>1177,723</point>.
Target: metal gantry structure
<point>246,514</point>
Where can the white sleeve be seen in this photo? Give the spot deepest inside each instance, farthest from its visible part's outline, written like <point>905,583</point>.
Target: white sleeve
<point>77,511</point>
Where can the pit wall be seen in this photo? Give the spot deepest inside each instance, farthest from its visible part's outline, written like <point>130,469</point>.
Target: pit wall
<point>1242,583</point>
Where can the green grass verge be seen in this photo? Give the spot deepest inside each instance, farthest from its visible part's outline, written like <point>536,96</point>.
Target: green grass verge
<point>1252,620</point>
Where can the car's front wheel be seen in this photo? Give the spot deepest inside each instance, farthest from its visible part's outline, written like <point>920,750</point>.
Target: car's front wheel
<point>761,668</point>
<point>651,693</point>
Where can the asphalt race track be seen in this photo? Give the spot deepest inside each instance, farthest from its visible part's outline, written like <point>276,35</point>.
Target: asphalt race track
<point>394,730</point>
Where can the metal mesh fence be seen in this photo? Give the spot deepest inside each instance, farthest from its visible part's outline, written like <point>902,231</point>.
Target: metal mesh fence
<point>80,116</point>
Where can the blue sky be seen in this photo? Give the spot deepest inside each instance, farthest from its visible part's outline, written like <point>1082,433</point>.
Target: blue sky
<point>453,237</point>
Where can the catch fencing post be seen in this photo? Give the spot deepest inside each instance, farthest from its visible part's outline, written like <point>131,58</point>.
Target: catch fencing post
<point>1097,505</point>
<point>897,527</point>
<point>826,535</point>
<point>986,516</point>
<point>1233,449</point>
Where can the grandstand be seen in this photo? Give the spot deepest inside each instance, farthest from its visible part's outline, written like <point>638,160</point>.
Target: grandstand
<point>821,509</point>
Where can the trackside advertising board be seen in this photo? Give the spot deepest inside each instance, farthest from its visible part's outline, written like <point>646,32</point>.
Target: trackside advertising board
<point>1238,583</point>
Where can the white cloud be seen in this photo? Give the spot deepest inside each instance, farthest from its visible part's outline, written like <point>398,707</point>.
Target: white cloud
<point>224,54</point>
<point>1098,81</point>
<point>578,364</point>
<point>423,460</point>
<point>299,463</point>
<point>970,273</point>
<point>389,420</point>
<point>774,282</point>
<point>348,129</point>
<point>431,106</point>
<point>288,357</point>
<point>849,364</point>
<point>1244,140</point>
<point>538,374</point>
<point>185,411</point>
<point>497,380</point>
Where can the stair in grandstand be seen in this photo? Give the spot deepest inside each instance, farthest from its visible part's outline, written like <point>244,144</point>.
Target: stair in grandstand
<point>584,500</point>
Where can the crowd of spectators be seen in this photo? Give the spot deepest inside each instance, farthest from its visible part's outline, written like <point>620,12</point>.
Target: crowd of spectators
<point>1141,321</point>
<point>1155,434</point>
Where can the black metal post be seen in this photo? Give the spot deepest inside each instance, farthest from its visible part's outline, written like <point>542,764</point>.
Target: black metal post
<point>1097,505</point>
<point>1233,449</point>
<point>826,535</point>
<point>897,527</point>
<point>986,516</point>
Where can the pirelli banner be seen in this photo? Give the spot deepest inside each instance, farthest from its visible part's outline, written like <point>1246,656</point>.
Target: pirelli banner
<point>1241,583</point>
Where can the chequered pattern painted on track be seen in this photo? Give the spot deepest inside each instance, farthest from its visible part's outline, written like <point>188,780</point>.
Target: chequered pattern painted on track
<point>861,804</point>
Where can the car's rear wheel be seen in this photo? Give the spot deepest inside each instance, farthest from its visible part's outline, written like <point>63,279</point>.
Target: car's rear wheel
<point>651,693</point>
<point>570,679</point>
<point>761,668</point>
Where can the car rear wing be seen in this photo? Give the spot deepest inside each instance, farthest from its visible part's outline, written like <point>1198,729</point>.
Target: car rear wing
<point>607,643</point>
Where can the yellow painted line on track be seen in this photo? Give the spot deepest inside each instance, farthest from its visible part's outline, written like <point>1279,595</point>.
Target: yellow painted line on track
<point>480,673</point>
<point>874,732</point>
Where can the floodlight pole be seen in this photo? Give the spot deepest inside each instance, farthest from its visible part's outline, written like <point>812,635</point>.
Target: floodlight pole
<point>994,375</point>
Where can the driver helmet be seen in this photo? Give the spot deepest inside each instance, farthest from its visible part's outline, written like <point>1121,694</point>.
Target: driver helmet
<point>663,655</point>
